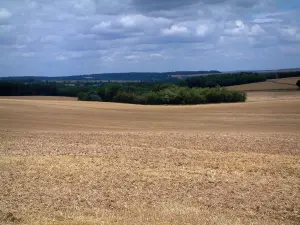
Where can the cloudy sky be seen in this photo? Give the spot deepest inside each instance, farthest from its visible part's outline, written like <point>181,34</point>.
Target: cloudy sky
<point>70,37</point>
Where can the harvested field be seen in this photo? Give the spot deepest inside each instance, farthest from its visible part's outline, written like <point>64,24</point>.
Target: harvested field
<point>256,96</point>
<point>70,162</point>
<point>274,84</point>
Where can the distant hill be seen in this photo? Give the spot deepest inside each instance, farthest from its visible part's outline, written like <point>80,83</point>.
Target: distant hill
<point>133,76</point>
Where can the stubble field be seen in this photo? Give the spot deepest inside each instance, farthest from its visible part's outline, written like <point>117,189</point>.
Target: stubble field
<point>70,162</point>
<point>269,85</point>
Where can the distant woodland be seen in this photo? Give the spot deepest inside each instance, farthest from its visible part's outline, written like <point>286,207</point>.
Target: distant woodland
<point>193,90</point>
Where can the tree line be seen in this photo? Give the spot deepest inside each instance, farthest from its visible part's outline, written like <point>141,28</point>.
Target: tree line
<point>194,90</point>
<point>10,88</point>
<point>231,79</point>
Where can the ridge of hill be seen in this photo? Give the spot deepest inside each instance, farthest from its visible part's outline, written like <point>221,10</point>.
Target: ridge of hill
<point>131,76</point>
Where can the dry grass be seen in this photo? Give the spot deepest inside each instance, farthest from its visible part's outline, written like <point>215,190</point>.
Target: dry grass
<point>69,162</point>
<point>285,84</point>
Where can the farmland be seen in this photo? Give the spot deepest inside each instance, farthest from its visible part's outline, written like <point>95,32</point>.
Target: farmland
<point>70,162</point>
<point>272,84</point>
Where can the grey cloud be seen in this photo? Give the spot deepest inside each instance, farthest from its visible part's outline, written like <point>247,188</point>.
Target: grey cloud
<point>290,34</point>
<point>263,42</point>
<point>108,35</point>
<point>51,39</point>
<point>162,5</point>
<point>5,15</point>
<point>7,40</point>
<point>152,5</point>
<point>246,3</point>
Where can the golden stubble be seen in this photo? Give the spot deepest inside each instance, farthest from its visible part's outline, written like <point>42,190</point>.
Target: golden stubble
<point>69,162</point>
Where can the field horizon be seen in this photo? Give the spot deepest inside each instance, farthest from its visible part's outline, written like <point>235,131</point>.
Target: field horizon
<point>71,162</point>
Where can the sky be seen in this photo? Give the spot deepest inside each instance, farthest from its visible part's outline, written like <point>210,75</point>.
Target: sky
<point>72,37</point>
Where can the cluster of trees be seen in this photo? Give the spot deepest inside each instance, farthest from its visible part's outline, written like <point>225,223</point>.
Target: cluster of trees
<point>158,94</point>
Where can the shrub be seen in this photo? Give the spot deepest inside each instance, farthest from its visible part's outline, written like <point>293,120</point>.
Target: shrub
<point>89,96</point>
<point>152,98</point>
<point>124,97</point>
<point>95,97</point>
<point>83,96</point>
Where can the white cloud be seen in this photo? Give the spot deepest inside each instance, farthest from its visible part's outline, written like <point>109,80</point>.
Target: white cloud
<point>61,58</point>
<point>239,28</point>
<point>142,21</point>
<point>156,55</point>
<point>290,33</point>
<point>175,30</point>
<point>4,15</point>
<point>51,39</point>
<point>266,20</point>
<point>86,7</point>
<point>202,30</point>
<point>103,26</point>
<point>271,17</point>
<point>256,30</point>
<point>131,57</point>
<point>32,4</point>
<point>28,54</point>
<point>132,20</point>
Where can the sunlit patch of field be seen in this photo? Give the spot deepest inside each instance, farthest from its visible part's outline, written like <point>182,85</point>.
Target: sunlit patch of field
<point>71,162</point>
